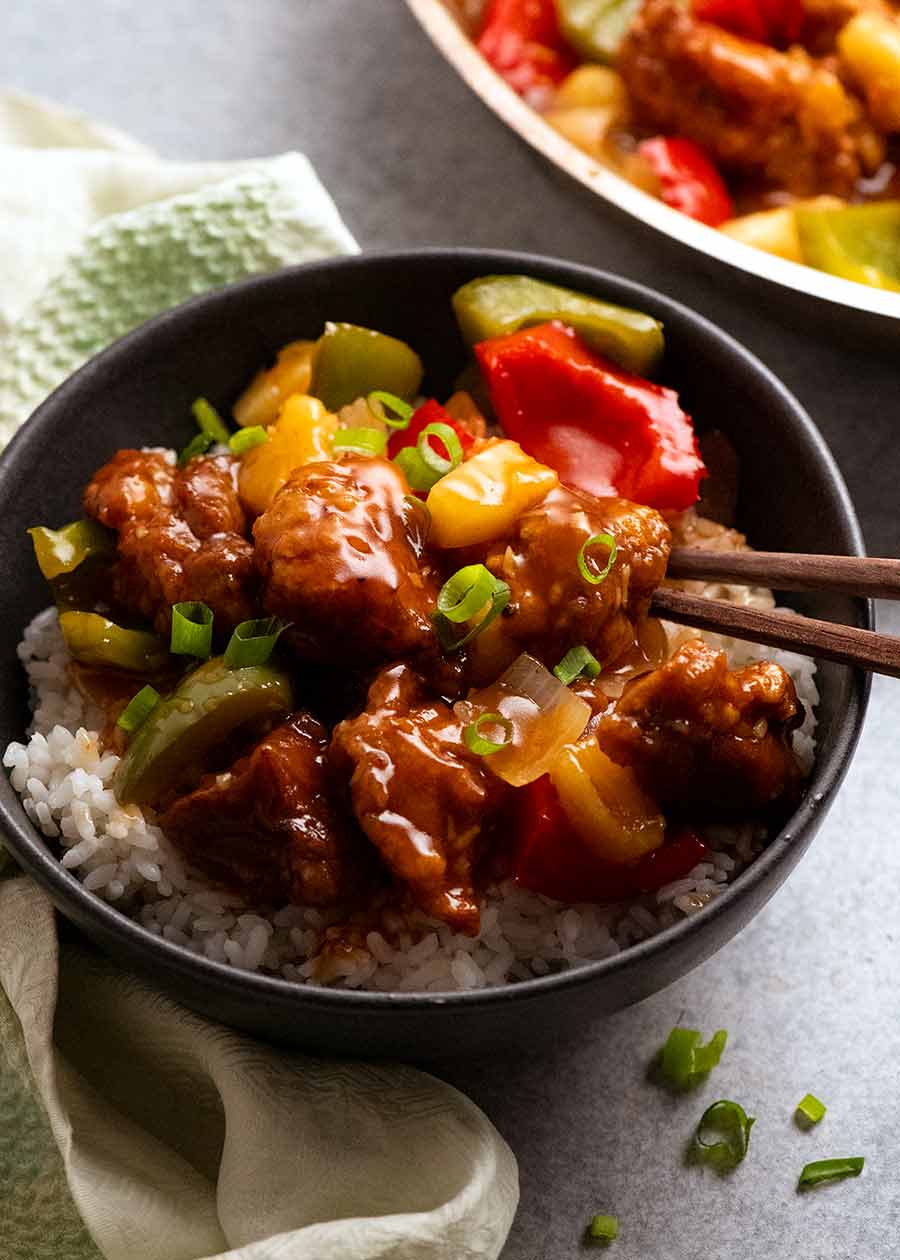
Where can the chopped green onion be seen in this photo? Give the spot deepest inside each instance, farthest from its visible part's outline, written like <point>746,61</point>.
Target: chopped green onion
<point>209,421</point>
<point>459,600</point>
<point>830,1170</point>
<point>477,743</point>
<point>245,439</point>
<point>437,463</point>
<point>362,441</point>
<point>577,661</point>
<point>723,1134</point>
<point>417,473</point>
<point>253,642</point>
<point>684,1061</point>
<point>192,627</point>
<point>381,404</point>
<point>604,1228</point>
<point>462,595</point>
<point>810,1110</point>
<point>596,540</point>
<point>198,445</point>
<point>138,709</point>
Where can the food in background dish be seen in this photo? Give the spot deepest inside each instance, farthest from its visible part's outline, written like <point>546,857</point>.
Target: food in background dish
<point>775,121</point>
<point>366,692</point>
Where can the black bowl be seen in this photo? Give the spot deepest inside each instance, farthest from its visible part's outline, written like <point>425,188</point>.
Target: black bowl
<point>139,392</point>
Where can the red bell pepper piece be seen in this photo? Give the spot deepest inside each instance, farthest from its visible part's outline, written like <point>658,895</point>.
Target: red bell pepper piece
<point>776,22</point>
<point>688,181</point>
<point>522,41</point>
<point>602,429</point>
<point>430,412</point>
<point>552,859</point>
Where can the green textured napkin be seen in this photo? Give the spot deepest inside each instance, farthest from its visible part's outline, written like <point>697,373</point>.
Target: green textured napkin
<point>130,1128</point>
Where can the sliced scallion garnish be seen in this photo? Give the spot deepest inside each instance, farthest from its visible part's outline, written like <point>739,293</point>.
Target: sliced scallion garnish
<point>253,642</point>
<point>360,441</point>
<point>439,464</point>
<point>198,445</point>
<point>459,595</point>
<point>596,576</point>
<point>417,473</point>
<point>809,1110</point>
<point>684,1060</point>
<point>604,1228</point>
<point>395,413</point>
<point>830,1170</point>
<point>577,661</point>
<point>138,709</point>
<point>478,743</point>
<point>245,439</point>
<point>723,1134</point>
<point>192,627</point>
<point>209,421</point>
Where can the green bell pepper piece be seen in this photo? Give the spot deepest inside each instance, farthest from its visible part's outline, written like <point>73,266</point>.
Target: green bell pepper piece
<point>75,561</point>
<point>494,306</point>
<point>859,243</point>
<point>596,28</point>
<point>208,705</point>
<point>349,362</point>
<point>95,640</point>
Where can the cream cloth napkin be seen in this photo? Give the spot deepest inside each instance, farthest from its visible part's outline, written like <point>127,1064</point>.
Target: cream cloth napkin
<point>129,1127</point>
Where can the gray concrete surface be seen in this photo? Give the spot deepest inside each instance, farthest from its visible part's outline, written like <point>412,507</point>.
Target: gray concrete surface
<point>809,992</point>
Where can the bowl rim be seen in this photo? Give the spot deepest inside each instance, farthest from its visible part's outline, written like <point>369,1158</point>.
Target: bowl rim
<point>32,852</point>
<point>446,32</point>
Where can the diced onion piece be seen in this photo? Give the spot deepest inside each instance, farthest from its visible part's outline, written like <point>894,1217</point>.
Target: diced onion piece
<point>605,803</point>
<point>261,401</point>
<point>543,714</point>
<point>481,498</point>
<point>604,1227</point>
<point>138,709</point>
<point>302,434</point>
<point>192,627</point>
<point>810,1110</point>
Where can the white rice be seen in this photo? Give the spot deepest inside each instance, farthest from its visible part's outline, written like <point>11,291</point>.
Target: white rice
<point>65,779</point>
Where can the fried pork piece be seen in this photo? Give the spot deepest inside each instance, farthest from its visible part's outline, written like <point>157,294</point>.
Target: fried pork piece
<point>552,608</point>
<point>269,828</point>
<point>699,734</point>
<point>180,536</point>
<point>777,115</point>
<point>133,485</point>
<point>417,792</point>
<point>341,556</point>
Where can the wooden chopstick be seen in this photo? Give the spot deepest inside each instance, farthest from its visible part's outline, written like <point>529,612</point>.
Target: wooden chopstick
<point>827,640</point>
<point>789,571</point>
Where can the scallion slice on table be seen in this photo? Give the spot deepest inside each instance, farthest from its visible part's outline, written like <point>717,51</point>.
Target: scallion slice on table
<point>577,661</point>
<point>209,421</point>
<point>684,1060</point>
<point>253,642</point>
<point>723,1134</point>
<point>480,744</point>
<point>604,1229</point>
<point>393,411</point>
<point>809,1110</point>
<point>192,627</point>
<point>245,439</point>
<point>461,597</point>
<point>586,561</point>
<point>138,709</point>
<point>361,441</point>
<point>830,1170</point>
